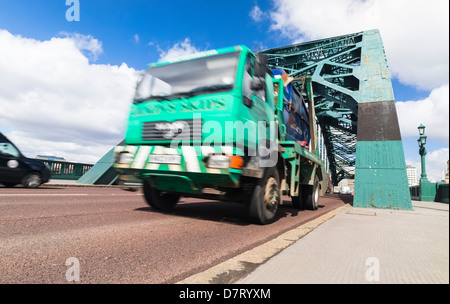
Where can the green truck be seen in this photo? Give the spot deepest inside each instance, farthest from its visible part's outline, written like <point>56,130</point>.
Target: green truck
<point>221,125</point>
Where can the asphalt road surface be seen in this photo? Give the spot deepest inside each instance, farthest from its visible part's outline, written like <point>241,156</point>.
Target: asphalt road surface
<point>108,235</point>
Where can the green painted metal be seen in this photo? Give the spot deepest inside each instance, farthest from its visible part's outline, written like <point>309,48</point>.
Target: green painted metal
<point>379,171</point>
<point>102,173</point>
<point>381,180</point>
<point>347,72</point>
<point>430,192</point>
<point>67,170</point>
<point>333,65</point>
<point>183,177</point>
<point>375,79</point>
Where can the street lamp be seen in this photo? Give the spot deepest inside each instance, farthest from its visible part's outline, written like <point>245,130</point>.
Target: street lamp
<point>422,141</point>
<point>421,129</point>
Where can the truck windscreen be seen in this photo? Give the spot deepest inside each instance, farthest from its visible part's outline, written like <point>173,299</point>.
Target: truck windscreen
<point>188,78</point>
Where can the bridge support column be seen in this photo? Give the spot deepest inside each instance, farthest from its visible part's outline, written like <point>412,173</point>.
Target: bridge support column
<point>380,175</point>
<point>380,169</point>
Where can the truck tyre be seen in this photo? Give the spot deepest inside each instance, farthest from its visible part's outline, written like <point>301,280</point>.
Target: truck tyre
<point>310,195</point>
<point>157,199</point>
<point>297,202</point>
<point>265,199</point>
<point>32,180</point>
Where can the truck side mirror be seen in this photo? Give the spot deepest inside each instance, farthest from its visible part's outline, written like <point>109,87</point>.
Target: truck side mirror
<point>248,102</point>
<point>261,65</point>
<point>257,84</point>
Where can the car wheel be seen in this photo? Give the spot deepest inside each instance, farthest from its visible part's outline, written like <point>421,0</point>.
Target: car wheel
<point>32,180</point>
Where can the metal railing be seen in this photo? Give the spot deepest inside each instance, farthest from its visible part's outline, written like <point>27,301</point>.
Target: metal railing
<point>439,193</point>
<point>443,193</point>
<point>67,170</point>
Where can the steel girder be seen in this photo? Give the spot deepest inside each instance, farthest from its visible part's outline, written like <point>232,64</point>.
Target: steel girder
<point>334,67</point>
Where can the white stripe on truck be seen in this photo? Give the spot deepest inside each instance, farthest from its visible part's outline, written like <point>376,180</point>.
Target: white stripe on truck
<point>190,158</point>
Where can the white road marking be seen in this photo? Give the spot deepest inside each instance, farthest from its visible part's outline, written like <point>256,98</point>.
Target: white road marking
<point>66,194</point>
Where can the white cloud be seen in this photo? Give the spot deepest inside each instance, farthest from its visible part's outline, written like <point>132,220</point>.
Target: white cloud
<point>436,164</point>
<point>136,38</point>
<point>433,112</point>
<point>415,36</point>
<point>87,43</point>
<point>54,101</point>
<point>415,33</point>
<point>256,14</point>
<point>177,50</point>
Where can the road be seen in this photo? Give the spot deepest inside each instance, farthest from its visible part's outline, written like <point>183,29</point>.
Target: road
<point>114,237</point>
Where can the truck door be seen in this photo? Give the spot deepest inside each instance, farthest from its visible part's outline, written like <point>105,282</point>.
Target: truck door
<point>255,98</point>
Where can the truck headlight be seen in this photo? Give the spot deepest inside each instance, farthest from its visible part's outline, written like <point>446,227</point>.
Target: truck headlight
<point>218,161</point>
<point>125,158</point>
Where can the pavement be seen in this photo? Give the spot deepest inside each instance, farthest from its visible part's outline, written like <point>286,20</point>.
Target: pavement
<point>64,182</point>
<point>74,183</point>
<point>359,246</point>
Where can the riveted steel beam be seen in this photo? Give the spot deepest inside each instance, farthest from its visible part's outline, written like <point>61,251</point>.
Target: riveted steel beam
<point>354,103</point>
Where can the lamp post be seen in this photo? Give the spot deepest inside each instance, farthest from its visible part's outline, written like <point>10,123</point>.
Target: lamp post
<point>422,151</point>
<point>427,189</point>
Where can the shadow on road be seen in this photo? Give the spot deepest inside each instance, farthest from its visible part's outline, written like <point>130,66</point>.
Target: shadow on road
<point>346,198</point>
<point>219,211</point>
<point>42,187</point>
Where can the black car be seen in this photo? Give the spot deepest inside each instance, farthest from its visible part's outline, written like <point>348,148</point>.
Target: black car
<point>15,168</point>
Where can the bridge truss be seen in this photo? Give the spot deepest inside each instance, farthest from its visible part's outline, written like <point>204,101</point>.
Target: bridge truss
<point>350,73</point>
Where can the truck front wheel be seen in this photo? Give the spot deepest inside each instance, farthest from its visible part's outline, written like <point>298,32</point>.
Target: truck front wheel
<point>157,199</point>
<point>310,195</point>
<point>265,199</point>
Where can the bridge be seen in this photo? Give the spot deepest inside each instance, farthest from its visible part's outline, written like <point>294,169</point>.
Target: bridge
<point>355,111</point>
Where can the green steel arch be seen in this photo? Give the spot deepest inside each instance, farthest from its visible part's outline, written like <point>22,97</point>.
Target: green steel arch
<point>355,109</point>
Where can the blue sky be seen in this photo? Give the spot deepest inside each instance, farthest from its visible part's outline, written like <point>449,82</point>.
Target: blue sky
<point>157,24</point>
<point>212,24</point>
<point>111,33</point>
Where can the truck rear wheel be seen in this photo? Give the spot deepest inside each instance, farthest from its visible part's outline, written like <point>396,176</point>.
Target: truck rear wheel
<point>297,202</point>
<point>310,195</point>
<point>265,198</point>
<point>157,199</point>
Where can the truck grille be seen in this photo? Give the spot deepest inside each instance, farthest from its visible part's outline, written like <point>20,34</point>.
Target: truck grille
<point>190,129</point>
